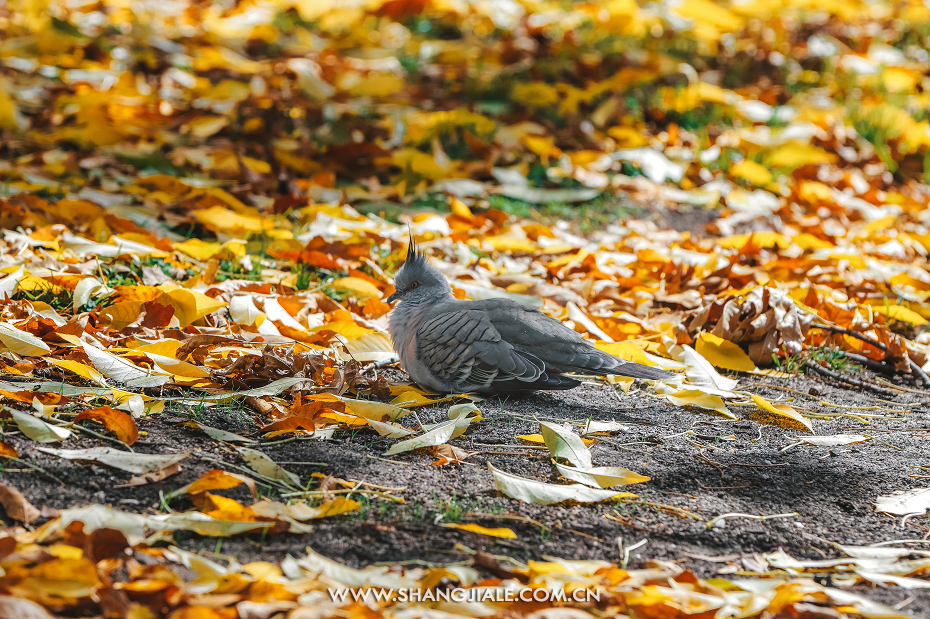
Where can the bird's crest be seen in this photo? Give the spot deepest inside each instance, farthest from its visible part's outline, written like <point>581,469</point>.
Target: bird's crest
<point>414,257</point>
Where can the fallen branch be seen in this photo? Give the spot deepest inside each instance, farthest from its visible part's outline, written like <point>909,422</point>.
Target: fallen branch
<point>872,364</point>
<point>819,369</point>
<point>713,521</point>
<point>924,379</point>
<point>854,334</point>
<point>916,369</point>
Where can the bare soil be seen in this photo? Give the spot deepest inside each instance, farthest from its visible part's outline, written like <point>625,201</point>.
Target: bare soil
<point>723,467</point>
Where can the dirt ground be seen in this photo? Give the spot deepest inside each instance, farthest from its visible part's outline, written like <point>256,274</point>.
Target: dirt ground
<point>831,489</point>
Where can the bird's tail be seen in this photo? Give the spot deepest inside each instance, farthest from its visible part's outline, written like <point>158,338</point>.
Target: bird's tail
<point>638,370</point>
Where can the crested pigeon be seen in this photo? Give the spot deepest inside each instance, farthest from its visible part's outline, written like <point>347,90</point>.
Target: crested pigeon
<point>493,346</point>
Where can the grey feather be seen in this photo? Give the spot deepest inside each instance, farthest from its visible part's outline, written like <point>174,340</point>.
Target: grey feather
<point>489,346</point>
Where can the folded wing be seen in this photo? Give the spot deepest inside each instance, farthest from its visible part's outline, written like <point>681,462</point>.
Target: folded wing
<point>463,348</point>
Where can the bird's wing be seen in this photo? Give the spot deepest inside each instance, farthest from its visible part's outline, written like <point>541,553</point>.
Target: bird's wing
<point>530,331</point>
<point>464,348</point>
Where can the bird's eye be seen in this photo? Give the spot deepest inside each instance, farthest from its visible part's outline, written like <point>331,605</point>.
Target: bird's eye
<point>414,285</point>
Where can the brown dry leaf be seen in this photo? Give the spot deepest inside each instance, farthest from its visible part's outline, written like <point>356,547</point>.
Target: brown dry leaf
<point>450,454</point>
<point>16,505</point>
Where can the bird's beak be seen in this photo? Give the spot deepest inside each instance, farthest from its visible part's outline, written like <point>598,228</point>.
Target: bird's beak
<point>394,297</point>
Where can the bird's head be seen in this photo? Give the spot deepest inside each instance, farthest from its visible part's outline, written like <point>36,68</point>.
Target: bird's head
<point>417,280</point>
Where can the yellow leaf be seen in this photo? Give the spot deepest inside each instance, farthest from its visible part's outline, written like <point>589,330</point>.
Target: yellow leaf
<point>808,241</point>
<point>22,342</point>
<point>542,146</point>
<point>197,249</point>
<point>357,287</point>
<point>411,398</point>
<point>225,220</point>
<point>123,314</point>
<point>502,532</point>
<point>782,416</point>
<point>510,244</point>
<point>345,328</point>
<point>751,172</point>
<point>84,371</point>
<point>897,79</point>
<point>460,209</point>
<point>162,347</point>
<point>189,305</point>
<point>177,367</point>
<point>626,351</point>
<point>761,239</point>
<point>693,397</point>
<point>723,353</point>
<point>795,154</point>
<point>628,137</point>
<point>535,94</point>
<point>899,312</point>
<point>538,438</point>
<point>205,126</point>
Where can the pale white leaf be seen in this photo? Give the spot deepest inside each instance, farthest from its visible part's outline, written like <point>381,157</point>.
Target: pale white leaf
<point>36,429</point>
<point>700,372</point>
<point>539,493</point>
<point>902,503</point>
<point>601,476</point>
<point>131,462</point>
<point>263,465</point>
<point>22,342</point>
<point>563,443</point>
<point>121,370</point>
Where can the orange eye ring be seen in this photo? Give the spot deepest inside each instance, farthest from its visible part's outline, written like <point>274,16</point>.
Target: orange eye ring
<point>414,285</point>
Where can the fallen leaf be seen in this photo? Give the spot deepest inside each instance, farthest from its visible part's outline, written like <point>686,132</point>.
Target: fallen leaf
<point>783,416</point>
<point>136,463</point>
<point>563,443</point>
<point>502,532</point>
<point>16,505</point>
<point>117,422</point>
<point>539,493</point>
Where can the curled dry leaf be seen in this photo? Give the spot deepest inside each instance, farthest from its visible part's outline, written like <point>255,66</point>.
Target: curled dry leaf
<point>117,422</point>
<point>16,506</point>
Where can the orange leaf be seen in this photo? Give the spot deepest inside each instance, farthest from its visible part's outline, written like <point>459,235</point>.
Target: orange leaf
<point>215,479</point>
<point>117,422</point>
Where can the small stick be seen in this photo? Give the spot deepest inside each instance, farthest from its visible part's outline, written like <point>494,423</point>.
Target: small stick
<point>855,334</point>
<point>34,468</point>
<point>921,375</point>
<point>722,517</point>
<point>924,379</point>
<point>682,513</point>
<point>872,364</point>
<point>318,494</point>
<point>386,460</point>
<point>377,365</point>
<point>850,381</point>
<point>712,463</point>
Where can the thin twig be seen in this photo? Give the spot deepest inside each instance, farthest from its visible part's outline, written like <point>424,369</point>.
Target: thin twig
<point>916,369</point>
<point>681,513</point>
<point>34,467</point>
<point>722,517</point>
<point>872,364</point>
<point>924,379</point>
<point>850,381</point>
<point>854,334</point>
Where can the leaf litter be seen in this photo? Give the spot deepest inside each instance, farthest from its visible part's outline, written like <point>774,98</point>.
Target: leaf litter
<point>208,214</point>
